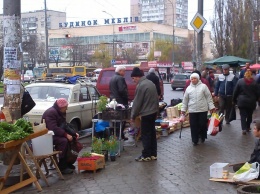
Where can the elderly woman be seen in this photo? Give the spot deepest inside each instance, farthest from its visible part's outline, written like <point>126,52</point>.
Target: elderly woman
<point>197,100</point>
<point>246,94</point>
<point>55,117</point>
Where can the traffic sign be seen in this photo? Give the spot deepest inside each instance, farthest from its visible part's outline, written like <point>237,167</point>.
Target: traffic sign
<point>113,62</point>
<point>198,22</point>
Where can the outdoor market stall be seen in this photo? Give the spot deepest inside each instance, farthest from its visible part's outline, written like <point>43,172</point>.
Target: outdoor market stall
<point>15,146</point>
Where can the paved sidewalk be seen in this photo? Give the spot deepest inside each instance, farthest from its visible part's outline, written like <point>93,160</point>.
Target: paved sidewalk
<point>181,168</point>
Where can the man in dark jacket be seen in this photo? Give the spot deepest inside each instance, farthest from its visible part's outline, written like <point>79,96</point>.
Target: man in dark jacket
<point>224,91</point>
<point>146,105</point>
<point>118,91</point>
<point>153,77</point>
<point>242,72</point>
<point>118,87</point>
<point>55,117</point>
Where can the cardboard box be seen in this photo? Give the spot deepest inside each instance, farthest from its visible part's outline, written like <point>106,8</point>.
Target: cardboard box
<point>96,161</point>
<point>216,169</point>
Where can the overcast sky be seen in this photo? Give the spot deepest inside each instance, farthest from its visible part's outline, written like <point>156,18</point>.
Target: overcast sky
<point>93,9</point>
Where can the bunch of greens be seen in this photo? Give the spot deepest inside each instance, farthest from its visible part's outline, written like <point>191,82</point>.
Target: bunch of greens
<point>19,130</point>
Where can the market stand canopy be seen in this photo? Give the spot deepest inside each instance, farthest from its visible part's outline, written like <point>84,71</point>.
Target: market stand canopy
<point>231,60</point>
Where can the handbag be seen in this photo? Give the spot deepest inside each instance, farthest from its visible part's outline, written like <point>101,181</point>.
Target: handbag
<point>74,147</point>
<point>68,128</point>
<point>27,103</point>
<point>247,172</point>
<point>232,115</point>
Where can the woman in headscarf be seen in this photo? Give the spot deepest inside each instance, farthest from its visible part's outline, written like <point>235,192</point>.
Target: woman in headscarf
<point>55,117</point>
<point>246,94</point>
<point>197,100</point>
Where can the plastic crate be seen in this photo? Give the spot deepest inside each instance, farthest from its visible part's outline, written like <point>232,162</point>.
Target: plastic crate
<point>116,114</point>
<point>216,169</point>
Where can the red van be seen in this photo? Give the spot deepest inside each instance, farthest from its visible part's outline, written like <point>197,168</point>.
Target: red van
<point>106,74</point>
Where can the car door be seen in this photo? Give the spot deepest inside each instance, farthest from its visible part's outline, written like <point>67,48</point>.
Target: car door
<point>87,100</point>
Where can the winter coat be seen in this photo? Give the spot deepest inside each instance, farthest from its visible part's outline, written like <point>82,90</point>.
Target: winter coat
<point>225,85</point>
<point>197,98</point>
<point>145,100</point>
<point>153,77</point>
<point>255,156</point>
<point>53,119</point>
<point>118,89</point>
<point>245,96</point>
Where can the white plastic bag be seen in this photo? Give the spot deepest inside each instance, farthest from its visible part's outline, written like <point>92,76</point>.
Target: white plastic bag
<point>247,172</point>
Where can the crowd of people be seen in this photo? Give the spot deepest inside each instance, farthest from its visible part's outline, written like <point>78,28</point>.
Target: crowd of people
<point>202,92</point>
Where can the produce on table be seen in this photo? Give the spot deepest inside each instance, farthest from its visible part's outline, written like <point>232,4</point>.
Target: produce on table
<point>19,130</point>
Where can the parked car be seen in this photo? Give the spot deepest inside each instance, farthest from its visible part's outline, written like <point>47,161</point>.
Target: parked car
<point>82,98</point>
<point>106,74</point>
<point>179,81</point>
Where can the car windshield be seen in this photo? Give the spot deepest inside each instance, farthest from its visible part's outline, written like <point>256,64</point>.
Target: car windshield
<point>181,77</point>
<point>48,93</point>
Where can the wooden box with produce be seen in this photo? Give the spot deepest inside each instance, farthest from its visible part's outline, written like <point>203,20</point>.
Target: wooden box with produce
<point>17,133</point>
<point>91,162</point>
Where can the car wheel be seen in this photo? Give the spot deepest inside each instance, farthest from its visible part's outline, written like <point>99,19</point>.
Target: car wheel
<point>173,88</point>
<point>75,125</point>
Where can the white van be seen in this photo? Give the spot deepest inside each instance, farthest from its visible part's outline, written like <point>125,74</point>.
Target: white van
<point>96,74</point>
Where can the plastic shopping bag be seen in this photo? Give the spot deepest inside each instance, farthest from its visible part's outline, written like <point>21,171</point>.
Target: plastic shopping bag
<point>213,126</point>
<point>247,172</point>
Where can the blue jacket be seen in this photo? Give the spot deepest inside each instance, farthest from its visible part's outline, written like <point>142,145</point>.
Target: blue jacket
<point>225,85</point>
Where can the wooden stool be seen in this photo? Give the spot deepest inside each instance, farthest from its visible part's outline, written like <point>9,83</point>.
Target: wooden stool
<point>39,160</point>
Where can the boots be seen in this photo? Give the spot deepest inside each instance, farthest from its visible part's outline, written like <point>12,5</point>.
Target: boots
<point>64,167</point>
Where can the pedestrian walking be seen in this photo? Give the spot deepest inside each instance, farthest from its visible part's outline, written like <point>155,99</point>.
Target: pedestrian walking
<point>242,72</point>
<point>198,101</point>
<point>155,79</point>
<point>146,105</point>
<point>246,94</point>
<point>211,80</point>
<point>224,88</point>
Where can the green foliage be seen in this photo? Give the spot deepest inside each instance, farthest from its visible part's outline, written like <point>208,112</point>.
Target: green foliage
<point>101,105</point>
<point>10,132</point>
<point>97,145</point>
<point>113,144</point>
<point>86,155</point>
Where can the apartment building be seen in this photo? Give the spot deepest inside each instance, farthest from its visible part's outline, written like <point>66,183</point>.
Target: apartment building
<point>167,12</point>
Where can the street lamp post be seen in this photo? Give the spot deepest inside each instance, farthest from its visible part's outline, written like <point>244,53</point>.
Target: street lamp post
<point>173,30</point>
<point>113,34</point>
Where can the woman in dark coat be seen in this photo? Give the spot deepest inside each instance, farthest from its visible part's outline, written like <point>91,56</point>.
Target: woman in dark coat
<point>246,95</point>
<point>54,117</point>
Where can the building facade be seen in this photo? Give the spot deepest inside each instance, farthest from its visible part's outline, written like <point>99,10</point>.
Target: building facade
<point>168,12</point>
<point>138,36</point>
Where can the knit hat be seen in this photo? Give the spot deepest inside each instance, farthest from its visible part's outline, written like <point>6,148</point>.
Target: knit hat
<point>195,75</point>
<point>137,72</point>
<point>151,70</point>
<point>226,66</point>
<point>62,102</point>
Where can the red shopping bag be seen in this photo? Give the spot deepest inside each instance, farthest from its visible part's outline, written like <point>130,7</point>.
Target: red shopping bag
<point>213,126</point>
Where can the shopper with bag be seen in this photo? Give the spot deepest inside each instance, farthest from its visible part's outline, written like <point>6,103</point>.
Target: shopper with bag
<point>246,94</point>
<point>54,117</point>
<point>197,100</point>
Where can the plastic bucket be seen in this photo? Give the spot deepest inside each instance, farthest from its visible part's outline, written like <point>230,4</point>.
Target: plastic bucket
<point>43,145</point>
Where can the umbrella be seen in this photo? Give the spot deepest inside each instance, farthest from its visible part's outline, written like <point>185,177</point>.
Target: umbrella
<point>232,60</point>
<point>255,66</point>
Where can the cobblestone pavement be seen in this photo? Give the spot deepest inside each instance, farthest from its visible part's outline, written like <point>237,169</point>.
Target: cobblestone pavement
<point>181,168</point>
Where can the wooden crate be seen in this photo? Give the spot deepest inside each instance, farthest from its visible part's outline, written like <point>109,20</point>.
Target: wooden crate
<point>91,164</point>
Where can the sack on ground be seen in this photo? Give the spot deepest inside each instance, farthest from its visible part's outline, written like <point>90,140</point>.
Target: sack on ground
<point>247,172</point>
<point>74,148</point>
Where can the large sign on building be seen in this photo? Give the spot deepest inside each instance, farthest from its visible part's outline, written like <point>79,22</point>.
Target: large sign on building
<point>96,22</point>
